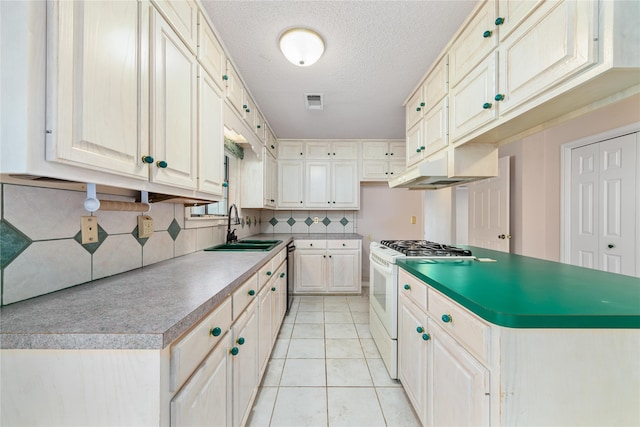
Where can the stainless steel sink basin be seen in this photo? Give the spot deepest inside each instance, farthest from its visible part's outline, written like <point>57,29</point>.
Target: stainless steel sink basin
<point>246,246</point>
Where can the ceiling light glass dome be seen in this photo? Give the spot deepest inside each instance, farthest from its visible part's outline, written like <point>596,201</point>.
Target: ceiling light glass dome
<point>301,46</point>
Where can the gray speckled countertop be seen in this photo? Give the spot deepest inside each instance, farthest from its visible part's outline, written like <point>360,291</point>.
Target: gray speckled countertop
<point>146,308</point>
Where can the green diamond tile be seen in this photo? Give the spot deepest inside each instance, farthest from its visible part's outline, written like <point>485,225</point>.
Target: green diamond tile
<point>174,230</point>
<point>326,221</point>
<point>344,221</point>
<point>291,221</point>
<point>308,221</point>
<point>12,243</point>
<point>273,221</point>
<point>92,247</point>
<point>142,241</point>
<point>249,221</point>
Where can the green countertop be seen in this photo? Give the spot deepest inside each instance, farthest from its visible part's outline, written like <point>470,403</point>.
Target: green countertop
<point>523,292</point>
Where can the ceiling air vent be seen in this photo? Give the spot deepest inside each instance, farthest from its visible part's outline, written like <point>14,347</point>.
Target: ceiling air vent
<point>313,101</point>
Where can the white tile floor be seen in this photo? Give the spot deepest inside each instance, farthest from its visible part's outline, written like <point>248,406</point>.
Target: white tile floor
<point>325,370</point>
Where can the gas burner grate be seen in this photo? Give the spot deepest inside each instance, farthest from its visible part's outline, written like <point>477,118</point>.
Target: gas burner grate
<point>425,248</point>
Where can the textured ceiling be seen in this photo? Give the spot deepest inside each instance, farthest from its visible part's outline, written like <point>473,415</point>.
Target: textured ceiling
<point>376,52</point>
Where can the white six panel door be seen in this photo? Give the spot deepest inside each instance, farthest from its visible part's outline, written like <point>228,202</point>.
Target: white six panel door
<point>604,203</point>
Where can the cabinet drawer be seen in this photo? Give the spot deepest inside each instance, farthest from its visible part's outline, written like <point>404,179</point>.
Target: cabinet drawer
<point>242,296</point>
<point>470,331</point>
<point>189,351</point>
<point>413,289</point>
<point>343,244</point>
<point>311,244</point>
<point>266,273</point>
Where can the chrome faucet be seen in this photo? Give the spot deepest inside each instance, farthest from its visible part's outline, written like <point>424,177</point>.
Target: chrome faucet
<point>231,234</point>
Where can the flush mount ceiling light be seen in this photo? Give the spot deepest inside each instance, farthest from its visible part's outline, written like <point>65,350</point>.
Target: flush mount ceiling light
<point>301,46</point>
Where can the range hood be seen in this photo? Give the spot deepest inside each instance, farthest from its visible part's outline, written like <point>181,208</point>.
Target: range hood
<point>450,167</point>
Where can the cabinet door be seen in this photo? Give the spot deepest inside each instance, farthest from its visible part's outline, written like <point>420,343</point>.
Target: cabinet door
<point>344,150</point>
<point>472,103</point>
<point>565,29</point>
<point>436,130</point>
<point>397,150</point>
<point>99,95</point>
<point>210,137</point>
<point>310,270</point>
<point>474,43</point>
<point>235,89</point>
<point>459,385</point>
<point>174,108</point>
<point>317,185</point>
<point>413,355</point>
<point>270,180</point>
<point>183,17</point>
<point>290,184</point>
<point>265,309</point>
<point>414,144</point>
<point>279,300</point>
<point>206,397</point>
<point>345,188</point>
<point>210,53</point>
<point>396,168</point>
<point>375,150</point>
<point>344,268</point>
<point>415,108</point>
<point>270,141</point>
<point>436,85</point>
<point>317,150</point>
<point>245,364</point>
<point>375,169</point>
<point>290,150</point>
<point>512,13</point>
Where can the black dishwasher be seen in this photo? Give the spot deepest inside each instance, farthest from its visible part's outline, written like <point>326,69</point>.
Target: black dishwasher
<point>290,264</point>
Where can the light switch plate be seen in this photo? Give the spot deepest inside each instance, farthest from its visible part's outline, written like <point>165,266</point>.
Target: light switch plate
<point>145,226</point>
<point>89,229</point>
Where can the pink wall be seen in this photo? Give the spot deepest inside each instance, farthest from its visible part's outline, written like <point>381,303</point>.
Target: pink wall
<point>535,214</point>
<point>385,214</point>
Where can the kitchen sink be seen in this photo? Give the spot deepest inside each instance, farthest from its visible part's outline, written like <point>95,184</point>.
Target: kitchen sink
<point>246,246</point>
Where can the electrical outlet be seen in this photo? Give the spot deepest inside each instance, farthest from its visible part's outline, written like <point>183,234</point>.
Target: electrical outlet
<point>315,219</point>
<point>145,226</point>
<point>89,229</point>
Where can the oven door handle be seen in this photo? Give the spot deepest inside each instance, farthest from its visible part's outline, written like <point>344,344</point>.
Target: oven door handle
<point>385,268</point>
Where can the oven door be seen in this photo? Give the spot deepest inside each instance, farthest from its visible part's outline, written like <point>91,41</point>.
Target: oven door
<point>383,293</point>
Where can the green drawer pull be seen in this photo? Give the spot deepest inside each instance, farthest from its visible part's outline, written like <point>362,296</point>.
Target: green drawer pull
<point>499,97</point>
<point>446,318</point>
<point>499,21</point>
<point>426,337</point>
<point>252,292</point>
<point>486,105</point>
<point>162,164</point>
<point>147,159</point>
<point>420,329</point>
<point>282,275</point>
<point>406,286</point>
<point>486,34</point>
<point>240,341</point>
<point>234,351</point>
<point>215,331</point>
<point>268,273</point>
<point>273,289</point>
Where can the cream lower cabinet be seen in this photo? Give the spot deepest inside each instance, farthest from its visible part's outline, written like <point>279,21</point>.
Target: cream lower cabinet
<point>244,362</point>
<point>328,266</point>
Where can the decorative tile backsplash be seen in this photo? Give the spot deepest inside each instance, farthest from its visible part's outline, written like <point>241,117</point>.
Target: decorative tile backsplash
<point>41,248</point>
<point>305,222</point>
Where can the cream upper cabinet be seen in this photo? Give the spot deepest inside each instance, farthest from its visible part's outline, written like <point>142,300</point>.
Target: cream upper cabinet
<point>210,53</point>
<point>436,85</point>
<point>565,29</point>
<point>415,108</point>
<point>436,127</point>
<point>472,103</point>
<point>382,160</point>
<point>317,185</point>
<point>336,150</point>
<point>98,96</point>
<point>183,16</point>
<point>474,43</point>
<point>210,136</point>
<point>270,141</point>
<point>174,107</point>
<point>290,178</point>
<point>415,144</point>
<point>235,89</point>
<point>259,181</point>
<point>331,185</point>
<point>290,150</point>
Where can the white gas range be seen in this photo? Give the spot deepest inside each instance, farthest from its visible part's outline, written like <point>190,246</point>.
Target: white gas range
<point>383,288</point>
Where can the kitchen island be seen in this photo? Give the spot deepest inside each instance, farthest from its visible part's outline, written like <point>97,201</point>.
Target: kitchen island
<point>514,340</point>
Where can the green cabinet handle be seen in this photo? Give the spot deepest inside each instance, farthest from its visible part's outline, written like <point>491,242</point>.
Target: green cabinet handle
<point>225,77</point>
<point>162,164</point>
<point>240,341</point>
<point>406,286</point>
<point>486,105</point>
<point>486,34</point>
<point>215,331</point>
<point>248,110</point>
<point>446,318</point>
<point>499,97</point>
<point>417,150</point>
<point>420,329</point>
<point>147,159</point>
<point>426,337</point>
<point>258,126</point>
<point>225,184</point>
<point>282,275</point>
<point>499,21</point>
<point>252,292</point>
<point>268,273</point>
<point>422,104</point>
<point>245,106</point>
<point>234,351</point>
<point>273,289</point>
<point>418,109</point>
<point>422,148</point>
<point>273,147</point>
